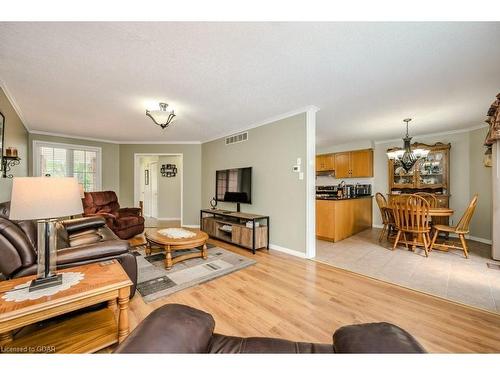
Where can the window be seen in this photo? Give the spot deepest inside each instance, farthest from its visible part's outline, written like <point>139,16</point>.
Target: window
<point>65,160</point>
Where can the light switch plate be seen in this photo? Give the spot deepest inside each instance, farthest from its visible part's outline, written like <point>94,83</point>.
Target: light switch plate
<point>301,175</point>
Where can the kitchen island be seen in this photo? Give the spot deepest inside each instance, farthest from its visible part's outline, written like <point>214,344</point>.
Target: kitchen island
<point>339,218</point>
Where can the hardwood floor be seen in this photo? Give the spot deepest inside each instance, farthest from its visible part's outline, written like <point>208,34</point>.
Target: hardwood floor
<point>298,299</point>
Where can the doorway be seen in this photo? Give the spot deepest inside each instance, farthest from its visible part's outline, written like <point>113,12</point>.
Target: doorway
<point>158,184</point>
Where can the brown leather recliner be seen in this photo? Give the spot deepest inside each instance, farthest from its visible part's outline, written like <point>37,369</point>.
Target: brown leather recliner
<point>183,329</point>
<point>79,241</point>
<point>125,222</point>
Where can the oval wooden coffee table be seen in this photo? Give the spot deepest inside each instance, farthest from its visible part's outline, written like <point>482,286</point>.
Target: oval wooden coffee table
<point>170,245</point>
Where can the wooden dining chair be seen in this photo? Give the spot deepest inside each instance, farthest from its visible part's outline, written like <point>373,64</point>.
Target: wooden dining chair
<point>461,229</point>
<point>387,216</point>
<point>430,198</point>
<point>411,214</point>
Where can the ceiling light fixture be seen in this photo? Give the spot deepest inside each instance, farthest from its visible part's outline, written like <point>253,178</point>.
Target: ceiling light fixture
<point>407,157</point>
<point>163,116</point>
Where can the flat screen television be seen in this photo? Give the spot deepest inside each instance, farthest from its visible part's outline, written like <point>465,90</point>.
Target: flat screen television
<point>234,185</point>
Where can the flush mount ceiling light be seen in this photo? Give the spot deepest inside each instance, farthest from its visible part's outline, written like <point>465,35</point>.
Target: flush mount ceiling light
<point>162,116</point>
<point>407,157</point>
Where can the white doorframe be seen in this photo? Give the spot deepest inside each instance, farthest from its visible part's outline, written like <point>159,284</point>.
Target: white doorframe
<point>153,180</point>
<point>311,181</point>
<point>137,178</point>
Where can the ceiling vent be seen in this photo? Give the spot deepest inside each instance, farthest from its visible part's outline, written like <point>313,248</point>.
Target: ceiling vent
<point>237,138</point>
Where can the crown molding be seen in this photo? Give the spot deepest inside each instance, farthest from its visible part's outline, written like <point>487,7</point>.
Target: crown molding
<point>437,134</point>
<point>159,143</point>
<point>309,108</point>
<point>13,102</point>
<point>62,135</point>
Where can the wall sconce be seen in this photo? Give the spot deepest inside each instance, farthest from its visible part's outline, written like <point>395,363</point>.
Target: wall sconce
<point>9,160</point>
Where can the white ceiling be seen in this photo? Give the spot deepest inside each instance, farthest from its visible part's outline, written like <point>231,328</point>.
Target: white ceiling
<point>96,79</point>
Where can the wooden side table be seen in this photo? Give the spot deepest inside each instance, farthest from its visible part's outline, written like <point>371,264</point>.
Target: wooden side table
<point>84,333</point>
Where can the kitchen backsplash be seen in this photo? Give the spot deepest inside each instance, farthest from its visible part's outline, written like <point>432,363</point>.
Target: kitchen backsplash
<point>328,180</point>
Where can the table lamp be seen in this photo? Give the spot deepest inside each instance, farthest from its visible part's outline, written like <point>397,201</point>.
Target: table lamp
<point>45,199</point>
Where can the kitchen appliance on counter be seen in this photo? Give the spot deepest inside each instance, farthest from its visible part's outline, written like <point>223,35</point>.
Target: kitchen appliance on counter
<point>343,191</point>
<point>362,189</point>
<point>326,192</point>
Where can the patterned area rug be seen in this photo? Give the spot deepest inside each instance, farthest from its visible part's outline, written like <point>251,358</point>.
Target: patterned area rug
<point>154,281</point>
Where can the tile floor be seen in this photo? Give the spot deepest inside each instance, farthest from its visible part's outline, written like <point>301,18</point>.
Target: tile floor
<point>444,274</point>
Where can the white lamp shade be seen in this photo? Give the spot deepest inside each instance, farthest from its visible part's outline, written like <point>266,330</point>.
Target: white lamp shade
<point>44,198</point>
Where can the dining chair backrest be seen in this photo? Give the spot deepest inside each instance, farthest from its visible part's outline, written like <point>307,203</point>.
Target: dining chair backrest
<point>411,213</point>
<point>463,224</point>
<point>382,205</point>
<point>381,201</point>
<point>431,198</point>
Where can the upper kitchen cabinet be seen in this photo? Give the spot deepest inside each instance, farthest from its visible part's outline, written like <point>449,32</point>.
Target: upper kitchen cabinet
<point>325,163</point>
<point>352,164</point>
<point>342,165</point>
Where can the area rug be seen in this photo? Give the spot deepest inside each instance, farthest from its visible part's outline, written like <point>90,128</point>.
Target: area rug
<point>154,281</point>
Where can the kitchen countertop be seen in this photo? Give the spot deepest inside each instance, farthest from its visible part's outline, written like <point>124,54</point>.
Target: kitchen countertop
<point>343,199</point>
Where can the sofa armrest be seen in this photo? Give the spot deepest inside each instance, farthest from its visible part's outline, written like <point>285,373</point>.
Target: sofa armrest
<point>83,223</point>
<point>95,251</point>
<point>106,215</point>
<point>375,338</point>
<point>171,329</point>
<point>129,211</point>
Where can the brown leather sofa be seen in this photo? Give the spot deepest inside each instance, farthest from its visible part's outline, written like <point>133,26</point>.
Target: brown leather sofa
<point>124,222</point>
<point>183,329</point>
<point>79,241</point>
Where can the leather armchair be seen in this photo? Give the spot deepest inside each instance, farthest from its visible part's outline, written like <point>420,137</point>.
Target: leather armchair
<point>79,241</point>
<point>183,329</point>
<point>124,222</point>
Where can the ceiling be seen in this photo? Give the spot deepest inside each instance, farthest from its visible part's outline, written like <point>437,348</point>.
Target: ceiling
<point>96,79</point>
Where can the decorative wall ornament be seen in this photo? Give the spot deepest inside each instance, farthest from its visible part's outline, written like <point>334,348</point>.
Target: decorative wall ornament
<point>493,121</point>
<point>168,170</point>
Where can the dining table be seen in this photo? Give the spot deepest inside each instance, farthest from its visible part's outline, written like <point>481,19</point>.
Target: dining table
<point>437,212</point>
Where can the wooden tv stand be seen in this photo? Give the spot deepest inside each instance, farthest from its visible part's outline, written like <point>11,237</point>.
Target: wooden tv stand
<point>231,227</point>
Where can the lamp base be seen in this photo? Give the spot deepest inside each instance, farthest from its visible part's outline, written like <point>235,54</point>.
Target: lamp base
<point>45,282</point>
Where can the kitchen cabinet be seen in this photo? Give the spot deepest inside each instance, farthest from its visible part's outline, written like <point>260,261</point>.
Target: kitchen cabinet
<point>353,164</point>
<point>342,165</point>
<point>325,163</point>
<point>339,219</point>
<point>325,220</point>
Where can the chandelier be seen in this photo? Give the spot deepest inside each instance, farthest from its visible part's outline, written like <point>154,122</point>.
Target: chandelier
<point>407,157</point>
<point>163,116</point>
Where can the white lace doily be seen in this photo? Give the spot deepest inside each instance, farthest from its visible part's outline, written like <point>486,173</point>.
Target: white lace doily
<point>21,292</point>
<point>177,233</point>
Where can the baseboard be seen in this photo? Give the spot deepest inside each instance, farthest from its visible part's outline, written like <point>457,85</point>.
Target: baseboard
<point>190,226</point>
<point>477,239</point>
<point>473,238</point>
<point>167,218</point>
<point>285,250</point>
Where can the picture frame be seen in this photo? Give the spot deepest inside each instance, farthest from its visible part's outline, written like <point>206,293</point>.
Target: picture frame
<point>168,170</point>
<point>2,139</point>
